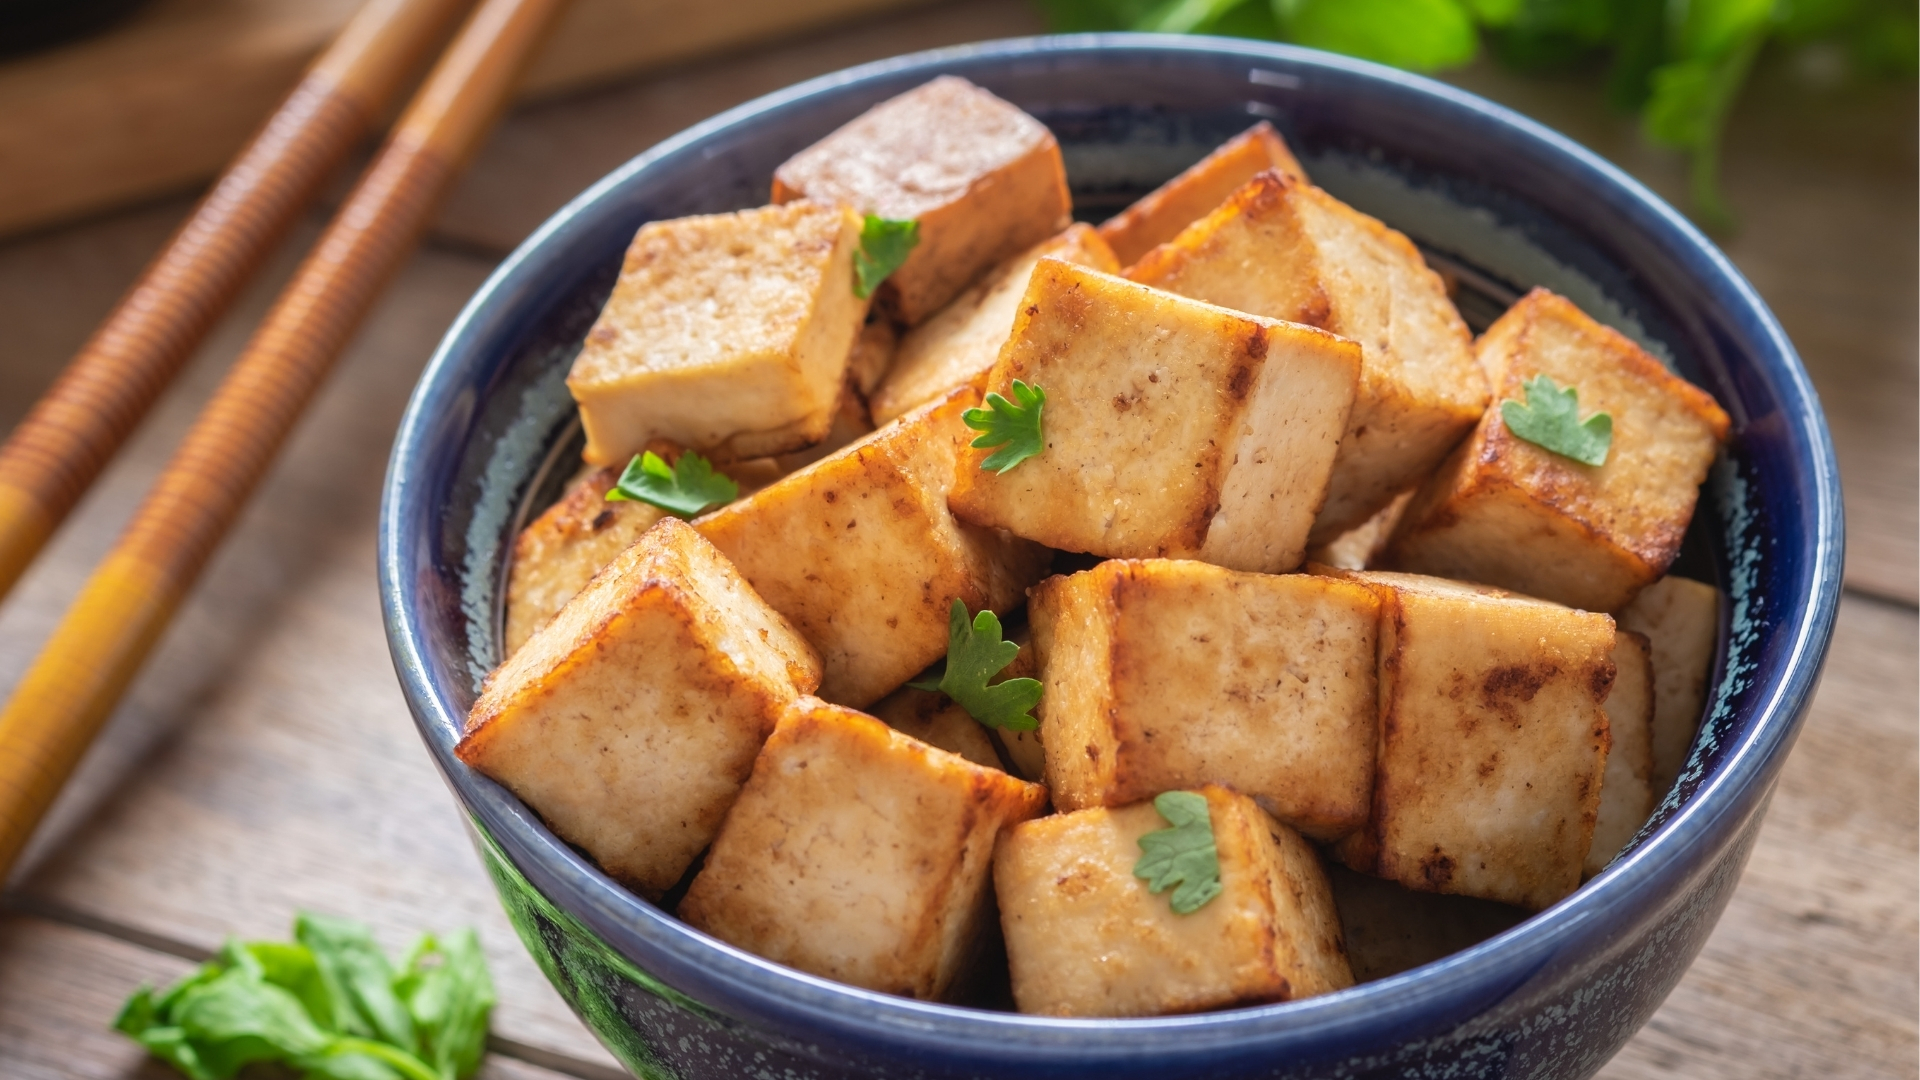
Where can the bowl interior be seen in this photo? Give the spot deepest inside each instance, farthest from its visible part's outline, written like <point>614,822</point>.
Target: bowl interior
<point>1497,204</point>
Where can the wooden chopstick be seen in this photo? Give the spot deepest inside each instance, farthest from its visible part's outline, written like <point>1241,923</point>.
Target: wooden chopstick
<point>52,457</point>
<point>105,636</point>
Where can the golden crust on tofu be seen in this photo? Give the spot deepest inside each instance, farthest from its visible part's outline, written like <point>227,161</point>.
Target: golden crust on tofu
<point>936,720</point>
<point>630,720</point>
<point>859,854</point>
<point>1284,249</point>
<point>1625,798</point>
<point>1160,215</point>
<point>983,179</point>
<point>1681,619</point>
<point>1507,512</point>
<point>962,340</point>
<point>1164,674</point>
<point>1173,428</point>
<point>861,553</point>
<point>726,333</point>
<point>1086,938</point>
<point>559,552</point>
<point>1493,740</point>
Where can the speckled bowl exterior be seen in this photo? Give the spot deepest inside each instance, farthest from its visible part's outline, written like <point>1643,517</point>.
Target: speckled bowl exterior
<point>1500,203</point>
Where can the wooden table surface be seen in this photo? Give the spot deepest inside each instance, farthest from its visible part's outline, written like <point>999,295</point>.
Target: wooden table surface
<point>265,761</point>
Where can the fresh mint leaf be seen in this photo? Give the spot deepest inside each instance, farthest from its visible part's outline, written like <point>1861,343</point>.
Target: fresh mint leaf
<point>683,489</point>
<point>358,978</point>
<point>1183,855</point>
<point>1013,426</point>
<point>1550,419</point>
<point>239,1019</point>
<point>1419,35</point>
<point>975,653</point>
<point>884,245</point>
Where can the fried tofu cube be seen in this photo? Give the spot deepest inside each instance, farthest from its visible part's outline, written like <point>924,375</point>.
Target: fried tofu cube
<point>1160,215</point>
<point>1509,513</point>
<point>559,552</point>
<point>962,340</point>
<point>1086,938</point>
<point>859,854</point>
<point>1390,928</point>
<point>983,179</point>
<point>727,334</point>
<point>1172,428</point>
<point>631,719</point>
<point>1625,797</point>
<point>1681,619</point>
<point>938,721</point>
<point>1362,546</point>
<point>859,551</point>
<point>1164,674</point>
<point>1284,249</point>
<point>872,357</point>
<point>1493,741</point>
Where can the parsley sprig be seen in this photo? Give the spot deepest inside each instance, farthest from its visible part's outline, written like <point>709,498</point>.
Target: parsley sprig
<point>685,488</point>
<point>1679,63</point>
<point>1183,855</point>
<point>1013,426</point>
<point>975,653</point>
<point>1550,419</point>
<point>884,245</point>
<point>328,1004</point>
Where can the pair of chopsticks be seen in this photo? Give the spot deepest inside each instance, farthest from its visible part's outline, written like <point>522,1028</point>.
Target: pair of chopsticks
<point>100,644</point>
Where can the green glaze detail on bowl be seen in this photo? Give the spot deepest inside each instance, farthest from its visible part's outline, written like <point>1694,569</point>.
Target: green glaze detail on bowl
<point>581,966</point>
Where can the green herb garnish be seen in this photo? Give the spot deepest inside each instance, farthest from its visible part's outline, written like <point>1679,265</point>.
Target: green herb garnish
<point>1551,420</point>
<point>884,245</point>
<point>329,1005</point>
<point>1183,855</point>
<point>1679,63</point>
<point>975,653</point>
<point>684,489</point>
<point>1013,426</point>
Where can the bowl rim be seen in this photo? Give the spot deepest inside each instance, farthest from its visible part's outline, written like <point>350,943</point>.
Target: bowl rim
<point>799,1002</point>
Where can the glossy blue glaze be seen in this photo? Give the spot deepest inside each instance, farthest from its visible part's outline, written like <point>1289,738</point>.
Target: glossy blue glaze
<point>1501,201</point>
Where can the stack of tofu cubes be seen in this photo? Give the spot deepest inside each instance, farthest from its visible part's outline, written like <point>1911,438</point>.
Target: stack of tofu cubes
<point>1306,573</point>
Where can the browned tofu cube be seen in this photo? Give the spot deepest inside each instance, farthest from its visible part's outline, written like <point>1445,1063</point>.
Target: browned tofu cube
<point>1625,797</point>
<point>1390,928</point>
<point>1172,428</point>
<point>936,720</point>
<point>1493,741</point>
<point>559,552</point>
<point>872,357</point>
<point>1287,250</point>
<point>1160,215</point>
<point>962,340</point>
<point>983,179</point>
<point>1284,249</point>
<point>630,720</point>
<point>859,551</point>
<point>1164,674</point>
<point>1681,619</point>
<point>859,854</point>
<point>727,334</point>
<point>1085,937</point>
<point>1361,547</point>
<point>1509,513</point>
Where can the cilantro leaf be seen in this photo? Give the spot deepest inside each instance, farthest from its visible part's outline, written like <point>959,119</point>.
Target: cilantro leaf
<point>683,489</point>
<point>1184,855</point>
<point>976,653</point>
<point>328,1005</point>
<point>884,245</point>
<point>1013,426</point>
<point>1550,419</point>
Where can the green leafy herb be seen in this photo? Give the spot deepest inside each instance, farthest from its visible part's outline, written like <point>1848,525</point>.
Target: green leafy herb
<point>1679,63</point>
<point>1013,426</point>
<point>1551,419</point>
<point>329,1005</point>
<point>975,653</point>
<point>1182,856</point>
<point>683,489</point>
<point>884,245</point>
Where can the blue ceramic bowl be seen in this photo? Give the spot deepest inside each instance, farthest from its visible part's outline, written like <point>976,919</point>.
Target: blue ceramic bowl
<point>1497,201</point>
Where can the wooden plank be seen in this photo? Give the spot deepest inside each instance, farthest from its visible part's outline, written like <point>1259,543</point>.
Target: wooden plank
<point>60,988</point>
<point>161,103</point>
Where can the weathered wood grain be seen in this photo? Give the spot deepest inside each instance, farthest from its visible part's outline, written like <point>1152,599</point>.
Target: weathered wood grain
<point>60,988</point>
